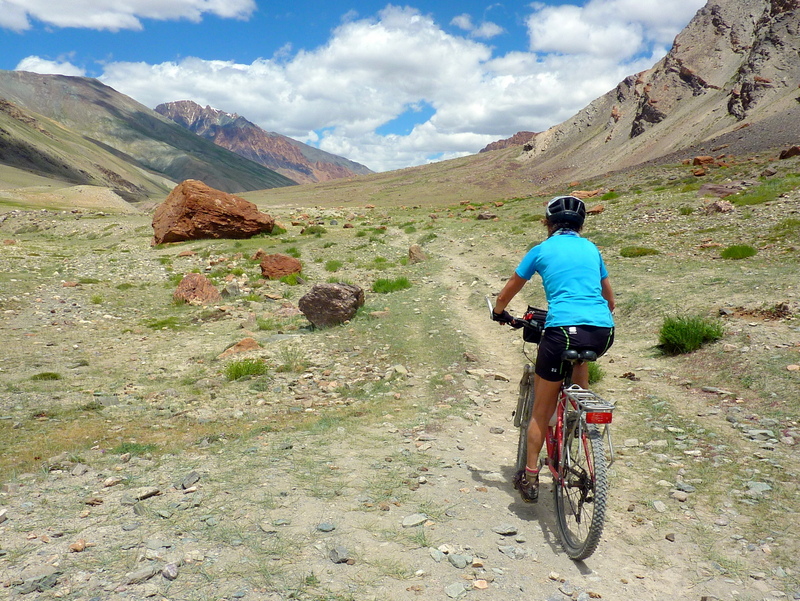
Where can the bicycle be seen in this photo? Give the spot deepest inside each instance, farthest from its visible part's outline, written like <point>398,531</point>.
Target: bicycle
<point>576,455</point>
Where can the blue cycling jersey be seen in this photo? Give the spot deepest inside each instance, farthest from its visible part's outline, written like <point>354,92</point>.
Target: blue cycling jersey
<point>571,269</point>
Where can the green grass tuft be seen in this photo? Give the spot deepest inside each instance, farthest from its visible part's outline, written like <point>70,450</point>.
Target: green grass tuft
<point>45,376</point>
<point>385,285</point>
<point>738,251</point>
<point>687,333</point>
<point>636,251</point>
<point>244,368</point>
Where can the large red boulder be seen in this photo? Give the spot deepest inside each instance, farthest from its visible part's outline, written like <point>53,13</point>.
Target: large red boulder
<point>194,211</point>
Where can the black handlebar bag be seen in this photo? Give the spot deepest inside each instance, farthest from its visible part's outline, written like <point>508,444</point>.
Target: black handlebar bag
<point>533,332</point>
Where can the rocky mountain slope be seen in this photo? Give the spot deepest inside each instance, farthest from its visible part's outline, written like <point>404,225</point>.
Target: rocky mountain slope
<point>300,162</point>
<point>728,85</point>
<point>95,118</point>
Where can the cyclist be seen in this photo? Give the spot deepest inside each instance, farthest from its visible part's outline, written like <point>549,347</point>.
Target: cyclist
<point>580,302</point>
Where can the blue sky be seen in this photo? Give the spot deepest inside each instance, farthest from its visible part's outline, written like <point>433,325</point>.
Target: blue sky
<point>387,85</point>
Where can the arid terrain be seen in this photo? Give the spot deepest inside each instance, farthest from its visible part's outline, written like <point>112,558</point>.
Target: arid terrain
<point>373,460</point>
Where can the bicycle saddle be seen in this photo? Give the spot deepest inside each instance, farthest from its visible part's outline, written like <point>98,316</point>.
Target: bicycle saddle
<point>573,355</point>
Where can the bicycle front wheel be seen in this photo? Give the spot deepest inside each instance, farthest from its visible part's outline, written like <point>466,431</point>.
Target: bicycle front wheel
<point>581,491</point>
<point>522,416</point>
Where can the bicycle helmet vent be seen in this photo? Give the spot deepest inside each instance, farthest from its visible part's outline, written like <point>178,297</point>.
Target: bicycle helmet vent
<point>566,209</point>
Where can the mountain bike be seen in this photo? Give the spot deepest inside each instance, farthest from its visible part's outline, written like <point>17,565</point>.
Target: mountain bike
<point>576,446</point>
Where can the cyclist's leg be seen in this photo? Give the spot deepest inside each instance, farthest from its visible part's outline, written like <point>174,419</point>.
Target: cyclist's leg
<point>580,375</point>
<point>544,404</point>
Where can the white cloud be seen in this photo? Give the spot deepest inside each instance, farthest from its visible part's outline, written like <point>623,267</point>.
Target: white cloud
<point>34,64</point>
<point>372,70</point>
<point>114,15</point>
<point>485,30</point>
<point>617,29</point>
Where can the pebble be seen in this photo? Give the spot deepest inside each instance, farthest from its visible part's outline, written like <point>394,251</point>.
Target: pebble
<point>415,519</point>
<point>326,527</point>
<point>455,590</point>
<point>505,529</point>
<point>339,554</point>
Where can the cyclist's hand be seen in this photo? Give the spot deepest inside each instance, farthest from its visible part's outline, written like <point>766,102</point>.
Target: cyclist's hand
<point>503,318</point>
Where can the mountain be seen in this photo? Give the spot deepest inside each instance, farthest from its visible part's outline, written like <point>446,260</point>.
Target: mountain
<point>300,162</point>
<point>95,117</point>
<point>729,82</point>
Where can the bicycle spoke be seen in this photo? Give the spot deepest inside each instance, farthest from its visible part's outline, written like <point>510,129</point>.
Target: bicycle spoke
<point>581,491</point>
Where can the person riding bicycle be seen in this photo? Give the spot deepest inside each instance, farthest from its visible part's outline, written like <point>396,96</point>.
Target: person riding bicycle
<point>580,302</point>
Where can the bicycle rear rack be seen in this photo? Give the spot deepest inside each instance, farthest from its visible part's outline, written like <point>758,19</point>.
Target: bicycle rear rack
<point>588,403</point>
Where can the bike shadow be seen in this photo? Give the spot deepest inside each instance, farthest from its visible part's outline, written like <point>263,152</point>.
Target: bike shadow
<point>543,512</point>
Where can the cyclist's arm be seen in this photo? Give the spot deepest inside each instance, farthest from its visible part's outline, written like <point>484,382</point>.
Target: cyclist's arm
<point>608,293</point>
<point>509,291</point>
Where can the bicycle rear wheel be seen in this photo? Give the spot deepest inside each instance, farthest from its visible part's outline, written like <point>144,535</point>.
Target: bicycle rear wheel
<point>522,416</point>
<point>581,491</point>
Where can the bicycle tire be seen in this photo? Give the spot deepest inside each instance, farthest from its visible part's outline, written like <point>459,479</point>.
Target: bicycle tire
<point>580,502</point>
<point>522,415</point>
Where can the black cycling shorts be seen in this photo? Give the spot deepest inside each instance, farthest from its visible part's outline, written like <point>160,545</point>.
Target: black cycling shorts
<point>555,341</point>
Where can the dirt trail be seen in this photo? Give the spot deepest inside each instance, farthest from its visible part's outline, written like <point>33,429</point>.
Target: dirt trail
<point>621,568</point>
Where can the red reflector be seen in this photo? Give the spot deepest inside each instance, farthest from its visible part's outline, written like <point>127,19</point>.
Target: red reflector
<point>598,417</point>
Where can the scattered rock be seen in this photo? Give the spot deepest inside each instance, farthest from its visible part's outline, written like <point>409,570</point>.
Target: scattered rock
<point>327,305</point>
<point>340,554</point>
<point>198,289</point>
<point>276,266</point>
<point>416,254</point>
<point>245,345</point>
<point>415,519</point>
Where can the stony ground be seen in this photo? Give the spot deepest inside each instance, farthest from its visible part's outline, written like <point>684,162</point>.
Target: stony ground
<point>373,460</point>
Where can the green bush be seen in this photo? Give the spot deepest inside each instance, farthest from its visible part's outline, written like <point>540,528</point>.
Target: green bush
<point>687,333</point>
<point>636,251</point>
<point>385,285</point>
<point>596,372</point>
<point>244,368</point>
<point>291,279</point>
<point>610,195</point>
<point>738,251</point>
<point>686,210</point>
<point>293,252</point>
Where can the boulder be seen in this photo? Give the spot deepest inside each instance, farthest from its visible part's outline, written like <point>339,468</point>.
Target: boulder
<point>243,346</point>
<point>327,305</point>
<point>194,211</point>
<point>197,288</point>
<point>719,206</point>
<point>276,266</point>
<point>790,152</point>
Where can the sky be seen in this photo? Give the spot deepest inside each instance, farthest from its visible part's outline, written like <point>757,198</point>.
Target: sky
<point>386,85</point>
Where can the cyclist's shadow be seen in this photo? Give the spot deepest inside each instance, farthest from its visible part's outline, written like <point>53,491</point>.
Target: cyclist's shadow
<point>542,512</point>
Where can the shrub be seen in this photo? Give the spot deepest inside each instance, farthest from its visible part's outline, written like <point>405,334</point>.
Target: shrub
<point>596,373</point>
<point>244,368</point>
<point>738,251</point>
<point>636,251</point>
<point>687,333</point>
<point>686,210</point>
<point>385,285</point>
<point>293,252</point>
<point>291,279</point>
<point>610,195</point>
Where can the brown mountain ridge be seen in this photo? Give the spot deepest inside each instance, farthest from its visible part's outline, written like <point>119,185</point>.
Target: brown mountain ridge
<point>297,161</point>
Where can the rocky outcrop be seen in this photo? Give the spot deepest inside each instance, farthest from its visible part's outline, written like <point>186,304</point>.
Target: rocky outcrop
<point>195,211</point>
<point>300,162</point>
<point>327,305</point>
<point>736,64</point>
<point>518,139</point>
